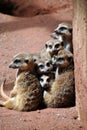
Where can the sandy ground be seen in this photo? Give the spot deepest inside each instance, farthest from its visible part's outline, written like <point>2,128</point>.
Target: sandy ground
<point>29,35</point>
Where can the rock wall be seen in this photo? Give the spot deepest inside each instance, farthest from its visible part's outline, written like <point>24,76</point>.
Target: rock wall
<point>80,56</point>
<point>32,7</point>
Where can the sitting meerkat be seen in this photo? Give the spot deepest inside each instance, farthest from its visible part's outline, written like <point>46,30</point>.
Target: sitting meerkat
<point>64,30</point>
<point>27,92</point>
<point>62,89</point>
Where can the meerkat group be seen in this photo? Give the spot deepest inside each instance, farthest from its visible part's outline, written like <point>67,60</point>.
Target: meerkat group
<point>45,78</point>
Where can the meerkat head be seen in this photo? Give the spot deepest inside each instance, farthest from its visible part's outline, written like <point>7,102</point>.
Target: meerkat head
<point>64,58</point>
<point>22,61</point>
<point>54,45</point>
<point>45,81</point>
<point>64,29</point>
<point>44,66</point>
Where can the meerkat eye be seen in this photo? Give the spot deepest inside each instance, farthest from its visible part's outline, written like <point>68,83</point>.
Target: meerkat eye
<point>41,66</point>
<point>17,61</point>
<point>48,64</point>
<point>48,80</point>
<point>46,45</point>
<point>34,60</point>
<point>50,46</point>
<point>41,80</point>
<point>60,59</point>
<point>27,61</point>
<point>57,45</point>
<point>63,28</point>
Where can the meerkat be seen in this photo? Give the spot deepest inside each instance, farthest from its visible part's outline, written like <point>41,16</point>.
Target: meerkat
<point>64,30</point>
<point>27,92</point>
<point>62,89</point>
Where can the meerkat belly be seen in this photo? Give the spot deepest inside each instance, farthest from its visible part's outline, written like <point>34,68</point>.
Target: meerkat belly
<point>32,99</point>
<point>29,92</point>
<point>29,100</point>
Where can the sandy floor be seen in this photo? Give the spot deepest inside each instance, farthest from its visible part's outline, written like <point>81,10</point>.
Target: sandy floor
<point>30,35</point>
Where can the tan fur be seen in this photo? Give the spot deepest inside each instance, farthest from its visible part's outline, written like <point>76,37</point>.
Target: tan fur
<point>27,93</point>
<point>62,90</point>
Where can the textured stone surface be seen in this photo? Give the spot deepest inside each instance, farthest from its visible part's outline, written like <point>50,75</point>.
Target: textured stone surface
<point>33,7</point>
<point>80,54</point>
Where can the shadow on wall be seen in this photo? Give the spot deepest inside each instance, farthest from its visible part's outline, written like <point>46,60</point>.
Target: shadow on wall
<point>32,7</point>
<point>19,8</point>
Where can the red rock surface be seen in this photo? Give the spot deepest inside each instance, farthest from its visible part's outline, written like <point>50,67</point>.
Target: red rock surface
<point>29,35</point>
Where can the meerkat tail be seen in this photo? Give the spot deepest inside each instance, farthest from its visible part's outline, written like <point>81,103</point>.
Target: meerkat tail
<point>2,91</point>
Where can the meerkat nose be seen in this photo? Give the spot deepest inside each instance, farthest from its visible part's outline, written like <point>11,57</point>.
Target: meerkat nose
<point>10,66</point>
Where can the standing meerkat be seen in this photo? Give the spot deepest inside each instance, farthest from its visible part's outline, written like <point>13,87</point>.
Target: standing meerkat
<point>27,92</point>
<point>64,30</point>
<point>62,89</point>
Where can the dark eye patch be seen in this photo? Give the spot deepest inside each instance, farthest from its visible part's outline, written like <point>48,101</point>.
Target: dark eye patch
<point>57,45</point>
<point>27,61</point>
<point>60,59</point>
<point>70,59</point>
<point>48,64</point>
<point>41,66</point>
<point>62,43</point>
<point>50,46</point>
<point>48,80</point>
<point>17,61</point>
<point>34,60</point>
<point>41,80</point>
<point>46,45</point>
<point>63,28</point>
